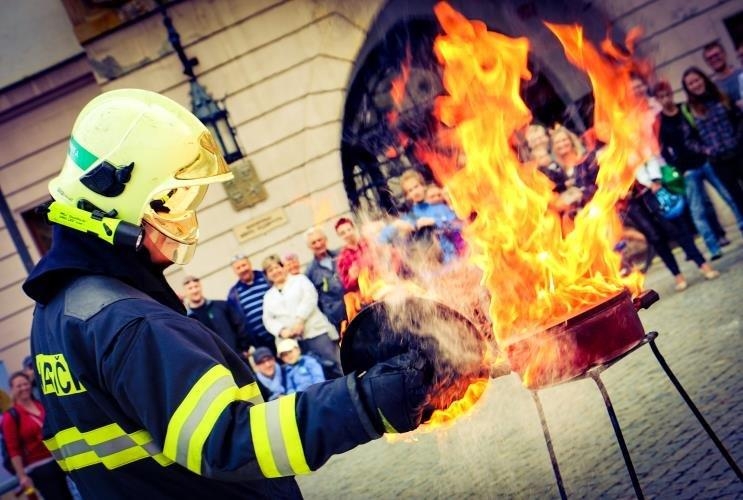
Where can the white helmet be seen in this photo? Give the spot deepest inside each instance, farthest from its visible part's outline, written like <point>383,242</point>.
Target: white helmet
<point>138,156</point>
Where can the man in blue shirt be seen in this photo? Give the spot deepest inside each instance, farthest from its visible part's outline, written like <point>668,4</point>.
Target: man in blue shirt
<point>247,296</point>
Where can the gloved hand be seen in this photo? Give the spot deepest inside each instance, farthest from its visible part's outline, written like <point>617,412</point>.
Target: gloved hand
<point>395,392</point>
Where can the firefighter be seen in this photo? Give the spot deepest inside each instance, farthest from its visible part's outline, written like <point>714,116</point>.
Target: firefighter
<point>143,402</point>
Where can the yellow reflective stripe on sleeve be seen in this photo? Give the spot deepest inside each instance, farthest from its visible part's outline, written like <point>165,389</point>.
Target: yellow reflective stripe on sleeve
<point>290,432</point>
<point>193,420</point>
<point>278,447</point>
<point>261,443</point>
<point>109,445</point>
<point>250,393</point>
<point>206,424</point>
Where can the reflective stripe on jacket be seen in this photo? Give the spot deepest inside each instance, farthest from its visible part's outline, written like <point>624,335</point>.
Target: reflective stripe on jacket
<point>144,402</point>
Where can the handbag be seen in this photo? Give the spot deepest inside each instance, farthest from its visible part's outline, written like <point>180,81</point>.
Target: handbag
<point>672,205</point>
<point>672,180</point>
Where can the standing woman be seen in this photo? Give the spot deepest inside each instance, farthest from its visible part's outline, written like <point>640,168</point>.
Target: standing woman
<point>34,465</point>
<point>290,311</point>
<point>720,125</point>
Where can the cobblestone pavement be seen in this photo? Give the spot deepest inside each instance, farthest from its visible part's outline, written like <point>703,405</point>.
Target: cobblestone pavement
<point>499,450</point>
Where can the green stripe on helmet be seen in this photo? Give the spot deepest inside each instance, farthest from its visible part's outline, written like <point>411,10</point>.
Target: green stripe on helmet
<point>80,156</point>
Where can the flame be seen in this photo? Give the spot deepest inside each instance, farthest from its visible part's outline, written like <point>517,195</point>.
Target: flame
<point>400,83</point>
<point>444,419</point>
<point>398,89</point>
<point>537,274</point>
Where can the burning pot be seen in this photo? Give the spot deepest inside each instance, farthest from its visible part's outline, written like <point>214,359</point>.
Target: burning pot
<point>592,337</point>
<point>456,348</point>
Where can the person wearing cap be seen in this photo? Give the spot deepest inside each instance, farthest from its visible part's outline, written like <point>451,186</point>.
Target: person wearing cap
<point>141,401</point>
<point>300,371</point>
<point>217,315</point>
<point>268,373</point>
<point>246,296</point>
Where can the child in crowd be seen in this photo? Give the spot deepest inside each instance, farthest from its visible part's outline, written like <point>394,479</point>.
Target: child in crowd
<point>436,216</point>
<point>300,371</point>
<point>268,373</point>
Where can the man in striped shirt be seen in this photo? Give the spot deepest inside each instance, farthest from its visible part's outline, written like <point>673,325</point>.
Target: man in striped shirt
<point>247,296</point>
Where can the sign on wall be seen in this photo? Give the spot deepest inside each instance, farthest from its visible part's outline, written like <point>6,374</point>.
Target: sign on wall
<point>246,189</point>
<point>260,225</point>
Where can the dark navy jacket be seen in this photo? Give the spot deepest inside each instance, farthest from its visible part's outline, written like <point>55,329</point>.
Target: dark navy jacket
<point>226,321</point>
<point>143,402</point>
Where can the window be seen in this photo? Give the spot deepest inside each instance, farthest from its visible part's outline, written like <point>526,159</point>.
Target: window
<point>39,228</point>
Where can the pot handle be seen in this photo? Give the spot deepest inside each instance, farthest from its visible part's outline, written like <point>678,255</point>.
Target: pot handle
<point>645,299</point>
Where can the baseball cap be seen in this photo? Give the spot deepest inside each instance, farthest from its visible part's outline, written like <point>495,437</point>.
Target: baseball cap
<point>286,345</point>
<point>262,353</point>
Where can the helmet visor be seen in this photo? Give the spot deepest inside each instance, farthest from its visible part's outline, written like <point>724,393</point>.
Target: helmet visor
<point>173,213</point>
<point>209,162</point>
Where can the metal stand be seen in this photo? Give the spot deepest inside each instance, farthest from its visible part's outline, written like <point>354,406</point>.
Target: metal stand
<point>550,449</point>
<point>702,421</point>
<point>594,374</point>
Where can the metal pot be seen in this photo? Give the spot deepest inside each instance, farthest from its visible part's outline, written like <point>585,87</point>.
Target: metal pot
<point>592,337</point>
<point>456,348</point>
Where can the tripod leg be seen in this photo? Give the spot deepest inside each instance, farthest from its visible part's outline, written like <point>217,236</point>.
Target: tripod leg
<point>550,449</point>
<point>618,434</point>
<point>702,421</point>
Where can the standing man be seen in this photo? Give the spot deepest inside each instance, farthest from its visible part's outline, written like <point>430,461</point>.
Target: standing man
<point>142,402</point>
<point>323,273</point>
<point>217,315</point>
<point>725,76</point>
<point>247,296</point>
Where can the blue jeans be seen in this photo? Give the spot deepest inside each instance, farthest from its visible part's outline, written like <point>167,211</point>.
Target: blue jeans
<point>696,195</point>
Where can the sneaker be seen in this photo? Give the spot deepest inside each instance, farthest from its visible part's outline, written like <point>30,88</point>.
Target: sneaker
<point>710,275</point>
<point>723,242</point>
<point>681,286</point>
<point>716,256</point>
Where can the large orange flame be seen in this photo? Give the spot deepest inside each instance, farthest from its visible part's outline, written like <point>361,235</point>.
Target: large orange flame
<point>537,274</point>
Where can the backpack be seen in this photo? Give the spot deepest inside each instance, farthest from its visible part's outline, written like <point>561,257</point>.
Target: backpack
<point>7,464</point>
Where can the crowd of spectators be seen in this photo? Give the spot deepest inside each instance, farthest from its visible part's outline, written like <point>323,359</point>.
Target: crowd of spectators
<point>287,323</point>
<point>700,140</point>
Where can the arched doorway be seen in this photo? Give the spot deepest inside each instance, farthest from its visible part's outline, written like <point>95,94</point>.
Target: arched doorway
<point>378,134</point>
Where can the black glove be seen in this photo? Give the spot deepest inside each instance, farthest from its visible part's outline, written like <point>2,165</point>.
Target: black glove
<point>395,392</point>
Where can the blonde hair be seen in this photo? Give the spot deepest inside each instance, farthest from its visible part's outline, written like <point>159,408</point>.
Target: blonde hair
<point>271,259</point>
<point>578,147</point>
<point>410,174</point>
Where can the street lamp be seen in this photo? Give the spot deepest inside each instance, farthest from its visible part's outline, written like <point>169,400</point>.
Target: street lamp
<point>206,109</point>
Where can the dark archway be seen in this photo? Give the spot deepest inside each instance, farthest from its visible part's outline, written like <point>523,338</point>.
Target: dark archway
<point>378,136</point>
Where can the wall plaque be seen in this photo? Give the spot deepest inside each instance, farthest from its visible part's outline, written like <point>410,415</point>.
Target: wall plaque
<point>260,225</point>
<point>246,189</point>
